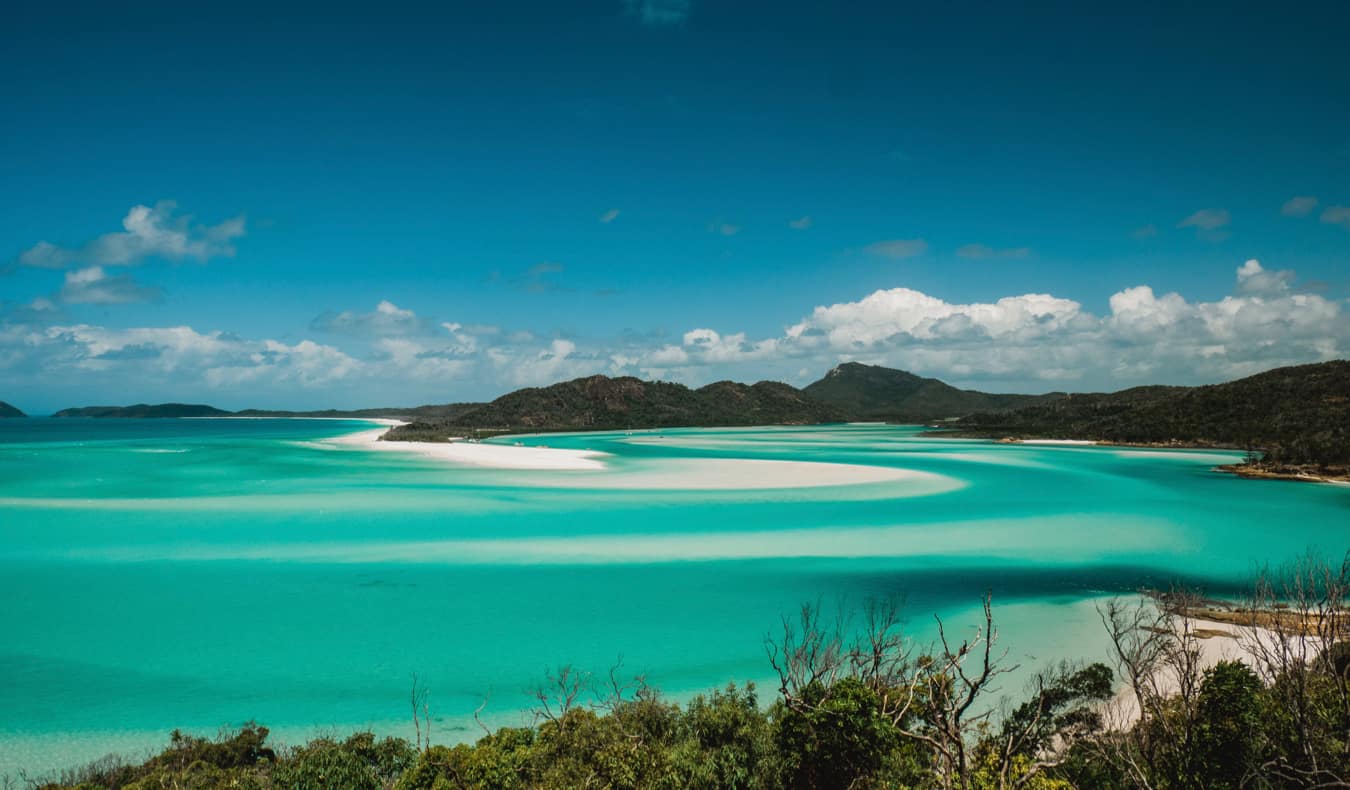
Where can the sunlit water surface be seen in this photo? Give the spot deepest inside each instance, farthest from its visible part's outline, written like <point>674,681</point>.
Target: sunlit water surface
<point>202,573</point>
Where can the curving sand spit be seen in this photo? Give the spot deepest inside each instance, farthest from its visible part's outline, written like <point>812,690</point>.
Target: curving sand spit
<point>701,474</point>
<point>495,456</point>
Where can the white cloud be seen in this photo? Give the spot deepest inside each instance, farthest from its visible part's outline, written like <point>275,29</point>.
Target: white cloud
<point>1027,342</point>
<point>93,285</point>
<point>1337,215</point>
<point>1300,206</point>
<point>386,319</point>
<point>609,216</point>
<point>1039,341</point>
<point>801,223</point>
<point>147,232</point>
<point>658,13</point>
<point>898,248</point>
<point>724,228</point>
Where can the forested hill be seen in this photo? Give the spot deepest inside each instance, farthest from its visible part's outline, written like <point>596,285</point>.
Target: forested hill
<point>601,403</point>
<point>7,410</point>
<point>440,411</point>
<point>1296,415</point>
<point>871,392</point>
<point>145,410</point>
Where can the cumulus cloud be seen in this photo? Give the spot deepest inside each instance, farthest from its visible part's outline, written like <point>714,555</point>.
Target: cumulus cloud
<point>147,232</point>
<point>1026,342</point>
<point>1300,206</point>
<point>1039,341</point>
<point>982,251</point>
<point>898,248</point>
<point>609,216</point>
<point>801,223</point>
<point>1337,215</point>
<point>724,228</point>
<point>93,285</point>
<point>658,13</point>
<point>386,319</point>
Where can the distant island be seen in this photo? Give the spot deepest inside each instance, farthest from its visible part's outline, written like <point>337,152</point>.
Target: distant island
<point>1293,421</point>
<point>172,410</point>
<point>145,410</point>
<point>7,410</point>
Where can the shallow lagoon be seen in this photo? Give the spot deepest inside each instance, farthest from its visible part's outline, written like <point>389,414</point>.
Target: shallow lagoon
<point>199,573</point>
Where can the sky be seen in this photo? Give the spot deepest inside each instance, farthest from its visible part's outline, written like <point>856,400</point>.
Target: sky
<point>338,205</point>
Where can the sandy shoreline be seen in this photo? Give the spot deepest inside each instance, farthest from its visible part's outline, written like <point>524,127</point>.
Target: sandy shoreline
<point>494,456</point>
<point>705,474</point>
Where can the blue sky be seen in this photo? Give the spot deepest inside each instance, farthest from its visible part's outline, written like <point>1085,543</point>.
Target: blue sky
<point>291,206</point>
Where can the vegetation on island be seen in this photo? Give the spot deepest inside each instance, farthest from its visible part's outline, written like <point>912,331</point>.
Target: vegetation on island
<point>7,410</point>
<point>1292,418</point>
<point>860,705</point>
<point>1294,421</point>
<point>431,411</point>
<point>871,392</point>
<point>604,403</point>
<point>145,411</point>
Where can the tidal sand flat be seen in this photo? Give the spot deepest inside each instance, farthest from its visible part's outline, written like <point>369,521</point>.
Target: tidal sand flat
<point>283,571</point>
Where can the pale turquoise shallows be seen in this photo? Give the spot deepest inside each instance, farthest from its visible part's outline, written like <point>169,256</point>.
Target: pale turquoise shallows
<point>200,573</point>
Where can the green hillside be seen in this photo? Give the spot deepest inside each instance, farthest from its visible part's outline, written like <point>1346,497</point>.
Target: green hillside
<point>145,410</point>
<point>871,392</point>
<point>603,403</point>
<point>1296,415</point>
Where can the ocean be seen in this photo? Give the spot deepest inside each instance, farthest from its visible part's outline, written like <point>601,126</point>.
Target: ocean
<point>197,574</point>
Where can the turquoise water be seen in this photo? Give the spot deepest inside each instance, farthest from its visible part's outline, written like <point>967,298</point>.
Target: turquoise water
<point>200,573</point>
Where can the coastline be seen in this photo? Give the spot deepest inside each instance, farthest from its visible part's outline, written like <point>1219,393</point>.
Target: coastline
<point>694,474</point>
<point>1292,473</point>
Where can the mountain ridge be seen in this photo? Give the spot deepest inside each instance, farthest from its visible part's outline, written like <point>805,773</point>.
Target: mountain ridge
<point>7,411</point>
<point>605,403</point>
<point>873,392</point>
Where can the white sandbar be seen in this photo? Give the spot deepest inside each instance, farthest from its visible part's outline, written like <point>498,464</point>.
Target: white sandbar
<point>496,456</point>
<point>699,474</point>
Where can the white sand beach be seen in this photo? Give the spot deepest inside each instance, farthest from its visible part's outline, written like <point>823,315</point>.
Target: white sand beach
<point>1056,441</point>
<point>698,474</point>
<point>495,456</point>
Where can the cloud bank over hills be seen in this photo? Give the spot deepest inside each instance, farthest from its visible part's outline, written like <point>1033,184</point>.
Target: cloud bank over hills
<point>1022,342</point>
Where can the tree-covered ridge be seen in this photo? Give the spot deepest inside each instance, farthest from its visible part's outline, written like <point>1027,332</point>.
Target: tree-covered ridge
<point>860,705</point>
<point>430,411</point>
<point>145,411</point>
<point>871,392</point>
<point>7,410</point>
<point>604,403</point>
<point>170,410</point>
<point>1295,415</point>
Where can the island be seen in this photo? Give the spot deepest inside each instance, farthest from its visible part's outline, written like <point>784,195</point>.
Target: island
<point>7,410</point>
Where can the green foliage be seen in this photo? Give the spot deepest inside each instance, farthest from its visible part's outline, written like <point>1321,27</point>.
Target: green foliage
<point>145,411</point>
<point>603,403</point>
<point>724,741</point>
<point>1297,415</point>
<point>1229,740</point>
<point>871,392</point>
<point>836,736</point>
